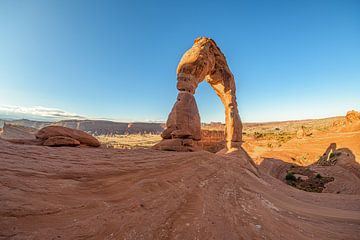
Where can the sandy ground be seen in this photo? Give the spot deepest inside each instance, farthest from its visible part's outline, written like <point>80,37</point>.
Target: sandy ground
<point>130,141</point>
<point>85,193</point>
<point>306,150</point>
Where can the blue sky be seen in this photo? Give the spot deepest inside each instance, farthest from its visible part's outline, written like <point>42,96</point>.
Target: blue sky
<point>117,59</point>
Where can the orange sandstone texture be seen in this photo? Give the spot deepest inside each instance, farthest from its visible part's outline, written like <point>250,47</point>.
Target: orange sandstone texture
<point>352,117</point>
<point>88,193</point>
<point>203,61</point>
<point>351,123</point>
<point>58,131</point>
<point>59,141</point>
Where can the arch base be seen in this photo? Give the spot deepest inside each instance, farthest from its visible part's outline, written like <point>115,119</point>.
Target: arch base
<point>178,145</point>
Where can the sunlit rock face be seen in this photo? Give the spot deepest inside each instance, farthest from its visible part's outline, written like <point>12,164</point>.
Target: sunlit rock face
<point>62,136</point>
<point>203,61</point>
<point>352,117</point>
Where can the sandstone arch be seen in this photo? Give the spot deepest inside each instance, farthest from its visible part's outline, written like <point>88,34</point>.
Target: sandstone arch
<point>203,61</point>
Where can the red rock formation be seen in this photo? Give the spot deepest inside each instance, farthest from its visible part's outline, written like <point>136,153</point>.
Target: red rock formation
<point>212,140</point>
<point>184,119</point>
<point>328,158</point>
<point>55,131</point>
<point>204,60</point>
<point>350,123</point>
<point>59,141</point>
<point>352,117</point>
<point>12,131</point>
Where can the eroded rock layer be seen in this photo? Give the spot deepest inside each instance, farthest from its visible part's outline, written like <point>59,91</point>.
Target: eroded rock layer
<point>59,136</point>
<point>203,61</point>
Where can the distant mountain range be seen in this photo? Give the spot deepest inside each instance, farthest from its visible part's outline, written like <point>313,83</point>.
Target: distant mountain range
<point>95,127</point>
<point>106,127</point>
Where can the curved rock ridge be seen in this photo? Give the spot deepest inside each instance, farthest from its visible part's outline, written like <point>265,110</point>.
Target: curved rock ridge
<point>87,193</point>
<point>57,131</point>
<point>203,61</point>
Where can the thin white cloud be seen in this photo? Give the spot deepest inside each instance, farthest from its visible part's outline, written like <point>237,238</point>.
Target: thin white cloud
<point>39,111</point>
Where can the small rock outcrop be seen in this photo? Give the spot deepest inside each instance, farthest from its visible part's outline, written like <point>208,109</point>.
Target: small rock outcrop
<point>62,134</point>
<point>203,61</point>
<point>350,123</point>
<point>12,131</point>
<point>59,141</point>
<point>352,117</point>
<point>300,133</point>
<point>329,157</point>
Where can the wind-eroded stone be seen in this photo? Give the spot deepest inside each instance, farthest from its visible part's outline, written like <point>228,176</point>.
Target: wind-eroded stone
<point>56,131</point>
<point>203,61</point>
<point>59,141</point>
<point>184,119</point>
<point>352,117</point>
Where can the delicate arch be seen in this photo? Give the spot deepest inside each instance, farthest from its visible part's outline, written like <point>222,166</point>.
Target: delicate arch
<point>203,61</point>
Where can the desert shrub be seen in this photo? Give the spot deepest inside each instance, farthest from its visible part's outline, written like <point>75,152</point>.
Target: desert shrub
<point>318,175</point>
<point>290,176</point>
<point>258,135</point>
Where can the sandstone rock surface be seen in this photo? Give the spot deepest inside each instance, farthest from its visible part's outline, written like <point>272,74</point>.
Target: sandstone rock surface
<point>11,131</point>
<point>350,123</point>
<point>59,141</point>
<point>352,117</point>
<point>203,61</point>
<point>329,157</point>
<point>184,119</point>
<point>85,193</point>
<point>56,131</point>
<point>212,140</point>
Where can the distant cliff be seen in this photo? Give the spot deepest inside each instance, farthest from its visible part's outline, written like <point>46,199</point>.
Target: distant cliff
<point>95,127</point>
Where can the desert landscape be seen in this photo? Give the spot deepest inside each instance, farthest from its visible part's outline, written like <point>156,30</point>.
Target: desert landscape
<point>140,193</point>
<point>179,120</point>
<point>183,179</point>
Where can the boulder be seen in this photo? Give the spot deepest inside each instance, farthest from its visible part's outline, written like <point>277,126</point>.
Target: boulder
<point>184,119</point>
<point>55,131</point>
<point>59,141</point>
